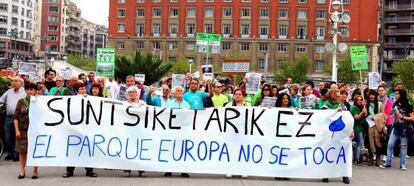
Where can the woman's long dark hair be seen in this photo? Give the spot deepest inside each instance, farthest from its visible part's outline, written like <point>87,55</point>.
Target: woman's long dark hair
<point>280,100</point>
<point>375,93</point>
<point>403,100</point>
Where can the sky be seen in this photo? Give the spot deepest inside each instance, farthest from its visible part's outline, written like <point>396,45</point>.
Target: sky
<point>95,11</point>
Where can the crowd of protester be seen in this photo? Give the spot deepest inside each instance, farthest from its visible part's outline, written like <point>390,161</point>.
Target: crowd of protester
<point>382,118</point>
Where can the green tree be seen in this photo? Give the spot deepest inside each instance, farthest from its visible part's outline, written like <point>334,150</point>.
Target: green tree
<point>147,64</point>
<point>404,70</point>
<point>181,66</point>
<point>297,70</point>
<point>345,72</point>
<point>84,63</point>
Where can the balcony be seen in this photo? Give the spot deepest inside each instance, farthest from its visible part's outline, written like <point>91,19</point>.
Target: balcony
<point>301,37</point>
<point>140,34</point>
<point>156,34</point>
<point>190,34</point>
<point>320,37</point>
<point>264,36</point>
<point>173,34</point>
<point>400,7</point>
<point>245,36</point>
<point>399,32</point>
<point>402,19</point>
<point>398,44</point>
<point>282,37</point>
<point>397,56</point>
<point>226,35</point>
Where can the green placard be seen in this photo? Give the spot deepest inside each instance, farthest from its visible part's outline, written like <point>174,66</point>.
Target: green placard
<point>359,57</point>
<point>105,62</point>
<point>207,42</point>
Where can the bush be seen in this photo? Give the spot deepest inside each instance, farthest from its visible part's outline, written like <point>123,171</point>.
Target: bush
<point>84,63</point>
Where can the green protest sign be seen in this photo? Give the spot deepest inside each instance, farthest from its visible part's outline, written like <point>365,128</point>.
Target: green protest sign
<point>105,62</point>
<point>359,57</point>
<point>208,42</point>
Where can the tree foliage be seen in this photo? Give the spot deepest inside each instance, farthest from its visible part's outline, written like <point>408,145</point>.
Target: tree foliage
<point>297,70</point>
<point>147,64</point>
<point>181,66</point>
<point>404,71</point>
<point>84,63</point>
<point>345,72</point>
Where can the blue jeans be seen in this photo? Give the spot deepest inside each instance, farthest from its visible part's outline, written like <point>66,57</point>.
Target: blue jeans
<point>359,140</point>
<point>10,136</point>
<point>390,148</point>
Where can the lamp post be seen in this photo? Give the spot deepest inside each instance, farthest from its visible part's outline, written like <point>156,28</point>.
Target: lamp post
<point>337,15</point>
<point>190,61</point>
<point>45,50</point>
<point>13,34</point>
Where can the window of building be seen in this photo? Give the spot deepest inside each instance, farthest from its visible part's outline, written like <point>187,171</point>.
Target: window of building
<point>29,24</point>
<point>15,21</point>
<point>245,12</point>
<point>54,9</point>
<point>52,18</point>
<point>283,13</point>
<point>140,30</point>
<point>173,30</point>
<point>345,2</point>
<point>140,12</point>
<point>121,12</point>
<point>301,32</point>
<point>52,28</point>
<point>22,23</point>
<point>120,45</point>
<point>173,45</point>
<point>264,1</point>
<point>191,12</point>
<point>319,65</point>
<point>264,30</point>
<point>52,37</point>
<point>320,14</point>
<point>173,12</point>
<point>4,7</point>
<point>245,29</point>
<point>279,63</point>
<point>264,13</point>
<point>226,46</point>
<point>121,1</point>
<point>263,47</point>
<point>172,59</point>
<point>244,46</point>
<point>319,49</point>
<point>283,31</point>
<point>208,12</point>
<point>227,12</point>
<point>208,28</point>
<point>300,48</point>
<point>226,29</point>
<point>156,45</point>
<point>190,46</point>
<point>283,1</point>
<point>320,1</point>
<point>3,31</point>
<point>302,1</point>
<point>2,44</point>
<point>320,33</point>
<point>140,45</point>
<point>140,1</point>
<point>121,28</point>
<point>282,48</point>
<point>190,28</point>
<point>302,14</point>
<point>156,12</point>
<point>261,64</point>
<point>156,29</point>
<point>3,19</point>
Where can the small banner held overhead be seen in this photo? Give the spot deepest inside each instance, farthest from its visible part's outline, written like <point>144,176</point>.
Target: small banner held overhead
<point>359,57</point>
<point>105,62</point>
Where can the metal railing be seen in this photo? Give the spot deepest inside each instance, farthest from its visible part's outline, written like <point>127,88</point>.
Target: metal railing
<point>400,7</point>
<point>398,44</point>
<point>399,19</point>
<point>399,31</point>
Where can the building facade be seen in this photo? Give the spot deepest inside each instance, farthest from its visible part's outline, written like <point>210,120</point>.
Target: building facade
<point>51,28</point>
<point>101,37</point>
<point>398,33</point>
<point>283,29</point>
<point>17,28</point>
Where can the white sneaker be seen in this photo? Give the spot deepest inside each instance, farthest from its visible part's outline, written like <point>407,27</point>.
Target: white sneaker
<point>384,158</point>
<point>229,175</point>
<point>403,168</point>
<point>244,176</point>
<point>407,156</point>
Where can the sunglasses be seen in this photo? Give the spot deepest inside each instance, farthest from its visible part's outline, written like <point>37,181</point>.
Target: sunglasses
<point>219,87</point>
<point>266,89</point>
<point>165,90</point>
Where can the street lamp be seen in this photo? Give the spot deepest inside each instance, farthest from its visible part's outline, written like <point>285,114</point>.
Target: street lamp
<point>190,61</point>
<point>337,15</point>
<point>46,50</point>
<point>13,35</point>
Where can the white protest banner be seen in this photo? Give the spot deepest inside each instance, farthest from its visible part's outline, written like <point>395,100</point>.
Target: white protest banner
<point>27,68</point>
<point>66,73</point>
<point>374,80</point>
<point>178,80</point>
<point>103,133</point>
<point>268,102</point>
<point>235,67</point>
<point>140,77</point>
<point>253,82</point>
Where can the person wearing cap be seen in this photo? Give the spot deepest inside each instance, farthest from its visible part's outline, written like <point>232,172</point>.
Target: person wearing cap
<point>10,98</point>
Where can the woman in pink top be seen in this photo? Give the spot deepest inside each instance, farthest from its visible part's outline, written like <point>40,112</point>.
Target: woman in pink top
<point>386,103</point>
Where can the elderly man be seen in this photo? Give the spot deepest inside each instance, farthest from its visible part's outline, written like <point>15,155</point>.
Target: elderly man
<point>69,90</point>
<point>122,94</point>
<point>156,100</point>
<point>10,98</point>
<point>178,102</point>
<point>58,90</point>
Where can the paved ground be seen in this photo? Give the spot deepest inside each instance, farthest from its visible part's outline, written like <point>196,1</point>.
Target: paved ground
<point>50,176</point>
<point>61,64</point>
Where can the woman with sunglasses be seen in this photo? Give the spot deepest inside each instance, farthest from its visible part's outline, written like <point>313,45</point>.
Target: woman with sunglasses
<point>266,92</point>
